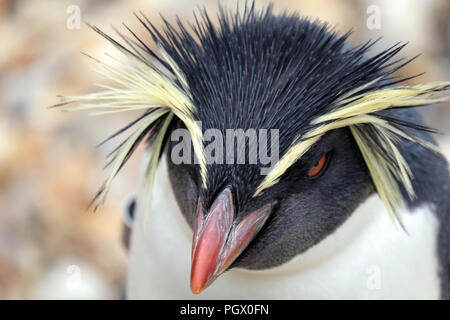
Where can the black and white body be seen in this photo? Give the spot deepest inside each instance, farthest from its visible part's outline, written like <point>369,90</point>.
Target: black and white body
<point>357,204</point>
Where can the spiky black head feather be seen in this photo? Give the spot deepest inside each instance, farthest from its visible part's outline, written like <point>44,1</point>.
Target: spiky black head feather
<point>266,71</point>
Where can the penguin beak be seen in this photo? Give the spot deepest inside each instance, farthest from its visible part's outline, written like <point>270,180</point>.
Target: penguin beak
<point>219,239</point>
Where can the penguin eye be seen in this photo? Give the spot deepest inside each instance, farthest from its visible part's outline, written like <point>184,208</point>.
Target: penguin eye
<point>318,167</point>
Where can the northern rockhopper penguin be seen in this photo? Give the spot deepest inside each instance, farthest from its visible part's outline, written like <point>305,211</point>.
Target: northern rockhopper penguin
<point>357,203</point>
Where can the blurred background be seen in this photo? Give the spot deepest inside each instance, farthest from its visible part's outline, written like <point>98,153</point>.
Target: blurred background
<point>50,245</point>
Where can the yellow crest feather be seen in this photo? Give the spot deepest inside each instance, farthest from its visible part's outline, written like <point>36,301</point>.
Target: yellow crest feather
<point>143,85</point>
<point>357,111</point>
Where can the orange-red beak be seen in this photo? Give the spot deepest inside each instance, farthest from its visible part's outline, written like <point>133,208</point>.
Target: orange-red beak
<point>219,240</point>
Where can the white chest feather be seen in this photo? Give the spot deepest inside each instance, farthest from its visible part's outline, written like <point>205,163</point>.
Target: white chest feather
<point>368,257</point>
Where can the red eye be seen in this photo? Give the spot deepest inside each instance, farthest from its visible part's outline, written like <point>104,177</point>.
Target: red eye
<point>315,170</point>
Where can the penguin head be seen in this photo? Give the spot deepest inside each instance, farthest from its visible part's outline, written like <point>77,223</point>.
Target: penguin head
<point>233,229</point>
<point>318,106</point>
<point>275,75</point>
